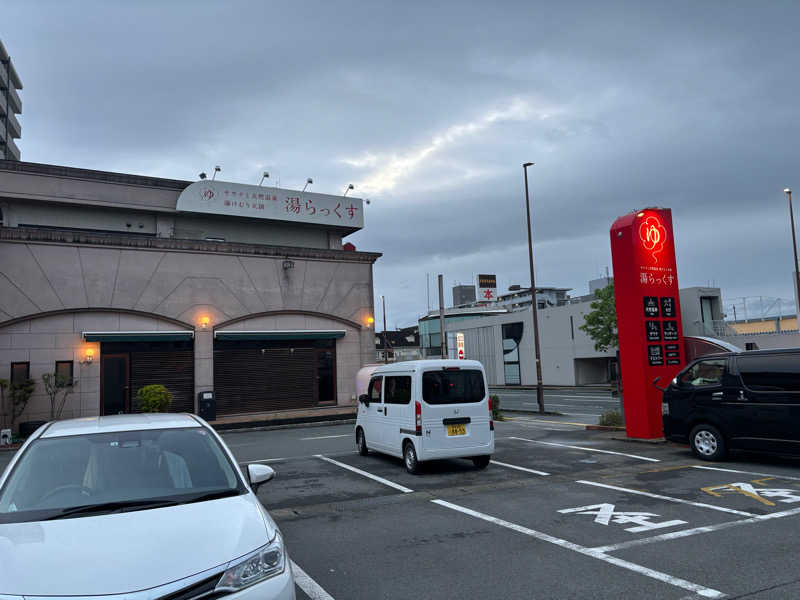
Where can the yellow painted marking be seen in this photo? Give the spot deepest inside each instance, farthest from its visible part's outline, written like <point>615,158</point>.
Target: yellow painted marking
<point>733,488</point>
<point>762,480</point>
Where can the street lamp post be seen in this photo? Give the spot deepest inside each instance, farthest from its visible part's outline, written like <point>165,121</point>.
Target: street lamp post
<point>788,192</point>
<point>539,389</point>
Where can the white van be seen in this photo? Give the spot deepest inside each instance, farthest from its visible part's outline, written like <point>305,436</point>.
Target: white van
<point>425,410</point>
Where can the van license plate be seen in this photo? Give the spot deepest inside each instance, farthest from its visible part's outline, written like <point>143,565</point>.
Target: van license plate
<point>456,430</point>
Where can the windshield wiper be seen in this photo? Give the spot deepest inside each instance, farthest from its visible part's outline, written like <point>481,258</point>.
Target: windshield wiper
<point>108,507</point>
<point>214,495</point>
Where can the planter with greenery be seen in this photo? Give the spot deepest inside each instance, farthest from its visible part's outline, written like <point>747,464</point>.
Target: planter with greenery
<point>19,394</point>
<point>3,409</point>
<point>497,415</point>
<point>154,398</point>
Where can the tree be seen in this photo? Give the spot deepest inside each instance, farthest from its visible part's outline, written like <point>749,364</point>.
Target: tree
<point>601,323</point>
<point>154,398</point>
<point>3,409</point>
<point>20,394</point>
<point>55,384</point>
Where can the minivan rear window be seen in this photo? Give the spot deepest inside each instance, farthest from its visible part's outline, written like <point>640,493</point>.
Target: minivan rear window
<point>453,387</point>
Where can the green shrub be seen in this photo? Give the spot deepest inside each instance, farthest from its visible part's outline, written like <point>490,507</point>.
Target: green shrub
<point>496,414</point>
<point>154,398</point>
<point>611,418</point>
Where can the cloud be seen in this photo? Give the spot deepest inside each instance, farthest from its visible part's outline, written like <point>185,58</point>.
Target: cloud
<point>391,168</point>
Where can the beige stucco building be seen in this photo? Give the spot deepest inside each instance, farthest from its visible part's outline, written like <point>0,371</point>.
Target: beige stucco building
<point>246,291</point>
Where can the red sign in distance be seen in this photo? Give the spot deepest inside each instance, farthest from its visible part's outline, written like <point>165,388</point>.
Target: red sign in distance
<point>648,314</point>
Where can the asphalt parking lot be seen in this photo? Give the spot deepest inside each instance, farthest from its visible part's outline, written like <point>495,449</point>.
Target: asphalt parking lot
<point>560,513</point>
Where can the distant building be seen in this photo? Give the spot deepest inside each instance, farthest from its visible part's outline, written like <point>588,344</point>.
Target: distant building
<point>599,284</point>
<point>400,345</point>
<point>463,294</point>
<point>10,106</point>
<point>545,297</point>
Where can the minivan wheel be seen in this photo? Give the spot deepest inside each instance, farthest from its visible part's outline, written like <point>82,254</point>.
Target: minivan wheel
<point>707,442</point>
<point>410,458</point>
<point>361,443</point>
<point>481,462</point>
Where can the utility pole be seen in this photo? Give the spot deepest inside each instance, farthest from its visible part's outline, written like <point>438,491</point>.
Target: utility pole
<point>534,307</point>
<point>441,317</point>
<point>788,192</point>
<point>385,339</point>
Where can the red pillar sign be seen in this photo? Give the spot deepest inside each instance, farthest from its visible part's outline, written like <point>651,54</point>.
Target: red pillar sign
<point>648,314</point>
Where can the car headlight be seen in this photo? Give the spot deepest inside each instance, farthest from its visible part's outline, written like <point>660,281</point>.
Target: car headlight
<point>266,562</point>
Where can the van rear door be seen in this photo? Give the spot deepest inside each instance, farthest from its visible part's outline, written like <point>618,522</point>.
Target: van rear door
<point>455,408</point>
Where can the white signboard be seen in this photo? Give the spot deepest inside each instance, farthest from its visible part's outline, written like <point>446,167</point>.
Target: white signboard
<point>487,288</point>
<point>257,202</point>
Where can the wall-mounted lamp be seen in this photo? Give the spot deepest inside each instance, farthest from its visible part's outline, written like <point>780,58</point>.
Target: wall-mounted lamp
<point>309,181</point>
<point>202,175</point>
<point>217,169</point>
<point>264,176</point>
<point>370,321</point>
<point>349,187</point>
<point>288,263</point>
<point>204,322</point>
<point>88,357</point>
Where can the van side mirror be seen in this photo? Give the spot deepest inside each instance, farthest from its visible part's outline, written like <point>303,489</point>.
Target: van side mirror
<point>364,399</point>
<point>259,474</point>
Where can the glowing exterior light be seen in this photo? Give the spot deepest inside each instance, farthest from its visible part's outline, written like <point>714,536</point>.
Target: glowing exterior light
<point>89,356</point>
<point>370,320</point>
<point>204,321</point>
<point>641,214</point>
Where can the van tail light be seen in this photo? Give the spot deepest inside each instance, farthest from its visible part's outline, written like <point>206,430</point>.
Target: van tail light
<point>418,417</point>
<point>491,420</point>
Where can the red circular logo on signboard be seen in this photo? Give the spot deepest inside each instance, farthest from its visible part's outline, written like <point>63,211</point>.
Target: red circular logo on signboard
<point>653,235</point>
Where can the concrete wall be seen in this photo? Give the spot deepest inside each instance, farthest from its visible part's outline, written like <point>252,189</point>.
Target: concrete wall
<point>766,341</point>
<point>561,343</point>
<point>43,341</point>
<point>691,313</point>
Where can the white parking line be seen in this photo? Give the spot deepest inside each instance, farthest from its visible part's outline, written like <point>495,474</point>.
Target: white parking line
<point>311,588</point>
<point>741,513</point>
<point>391,484</point>
<point>325,437</point>
<point>586,449</point>
<point>676,581</point>
<point>263,460</point>
<point>527,470</point>
<point>746,472</point>
<point>695,531</point>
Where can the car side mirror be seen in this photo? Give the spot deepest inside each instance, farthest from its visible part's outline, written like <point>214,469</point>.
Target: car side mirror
<point>258,475</point>
<point>364,399</point>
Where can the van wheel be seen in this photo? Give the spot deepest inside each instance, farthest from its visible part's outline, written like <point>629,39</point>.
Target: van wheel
<point>481,462</point>
<point>361,442</point>
<point>707,442</point>
<point>410,458</point>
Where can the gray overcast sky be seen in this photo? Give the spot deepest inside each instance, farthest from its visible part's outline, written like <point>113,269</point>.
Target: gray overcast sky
<point>430,108</point>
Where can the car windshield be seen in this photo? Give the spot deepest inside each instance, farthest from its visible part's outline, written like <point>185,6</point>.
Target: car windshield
<point>89,474</point>
<point>453,386</point>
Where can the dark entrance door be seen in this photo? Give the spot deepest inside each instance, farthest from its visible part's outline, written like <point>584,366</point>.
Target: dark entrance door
<point>114,387</point>
<point>326,377</point>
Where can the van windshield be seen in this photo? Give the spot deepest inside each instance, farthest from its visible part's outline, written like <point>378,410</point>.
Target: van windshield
<point>453,387</point>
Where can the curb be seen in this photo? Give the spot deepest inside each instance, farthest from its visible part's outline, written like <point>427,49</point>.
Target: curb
<point>640,440</point>
<point>286,423</point>
<point>604,428</point>
<point>546,413</point>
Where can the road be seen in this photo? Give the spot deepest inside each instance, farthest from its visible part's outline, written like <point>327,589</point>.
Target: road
<point>561,513</point>
<point>583,405</point>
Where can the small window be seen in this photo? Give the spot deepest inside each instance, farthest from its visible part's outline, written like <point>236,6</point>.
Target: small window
<point>20,372</point>
<point>374,391</point>
<point>64,370</point>
<point>771,373</point>
<point>706,372</point>
<point>398,390</point>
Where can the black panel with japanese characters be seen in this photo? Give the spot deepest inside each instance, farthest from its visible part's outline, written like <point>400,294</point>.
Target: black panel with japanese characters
<point>653,329</point>
<point>670,331</point>
<point>668,306</point>
<point>650,306</point>
<point>655,356</point>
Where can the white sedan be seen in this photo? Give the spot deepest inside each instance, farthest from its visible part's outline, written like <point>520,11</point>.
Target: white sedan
<point>139,507</point>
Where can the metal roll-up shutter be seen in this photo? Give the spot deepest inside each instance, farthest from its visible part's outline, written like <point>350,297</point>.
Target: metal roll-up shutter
<point>250,380</point>
<point>173,369</point>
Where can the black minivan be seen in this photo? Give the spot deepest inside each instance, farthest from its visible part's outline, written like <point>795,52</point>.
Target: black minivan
<point>744,400</point>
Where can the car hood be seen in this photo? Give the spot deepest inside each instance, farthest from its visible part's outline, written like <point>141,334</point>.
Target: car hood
<point>128,552</point>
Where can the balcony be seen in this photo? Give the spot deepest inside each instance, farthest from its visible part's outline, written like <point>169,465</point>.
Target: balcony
<point>15,104</point>
<point>12,152</point>
<point>15,130</point>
